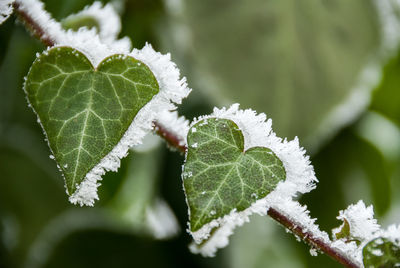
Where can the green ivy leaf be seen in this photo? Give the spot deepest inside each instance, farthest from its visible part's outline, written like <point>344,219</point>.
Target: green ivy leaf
<point>220,176</point>
<point>381,252</point>
<point>83,110</point>
<point>344,231</point>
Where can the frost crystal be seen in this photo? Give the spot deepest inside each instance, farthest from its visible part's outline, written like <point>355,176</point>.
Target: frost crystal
<point>161,220</point>
<point>392,233</point>
<point>175,124</point>
<point>172,88</point>
<point>172,91</point>
<point>106,16</point>
<point>300,178</point>
<point>364,228</point>
<point>361,220</point>
<point>85,40</point>
<point>313,252</point>
<point>6,8</point>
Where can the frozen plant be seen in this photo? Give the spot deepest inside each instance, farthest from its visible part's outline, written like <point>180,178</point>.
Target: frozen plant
<point>96,98</point>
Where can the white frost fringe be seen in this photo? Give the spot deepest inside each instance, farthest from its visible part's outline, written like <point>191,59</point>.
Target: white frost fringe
<point>172,88</point>
<point>161,220</point>
<point>172,91</point>
<point>361,221</point>
<point>107,17</point>
<point>178,125</point>
<point>300,177</point>
<point>6,8</point>
<point>363,227</point>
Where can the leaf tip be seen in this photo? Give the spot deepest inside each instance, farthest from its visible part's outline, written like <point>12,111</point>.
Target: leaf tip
<point>86,192</point>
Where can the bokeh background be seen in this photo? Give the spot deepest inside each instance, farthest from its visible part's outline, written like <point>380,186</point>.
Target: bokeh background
<point>327,71</point>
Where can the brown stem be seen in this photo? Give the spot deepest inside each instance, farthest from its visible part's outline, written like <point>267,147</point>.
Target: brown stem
<point>295,227</point>
<point>33,26</point>
<point>310,238</point>
<point>172,139</point>
<point>177,143</point>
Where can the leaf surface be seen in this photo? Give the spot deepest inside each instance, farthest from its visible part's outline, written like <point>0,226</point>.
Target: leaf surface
<point>85,111</point>
<point>220,176</point>
<point>381,252</point>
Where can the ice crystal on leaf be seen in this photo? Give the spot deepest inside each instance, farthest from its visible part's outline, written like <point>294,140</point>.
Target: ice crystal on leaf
<point>256,132</point>
<point>172,88</point>
<point>360,219</point>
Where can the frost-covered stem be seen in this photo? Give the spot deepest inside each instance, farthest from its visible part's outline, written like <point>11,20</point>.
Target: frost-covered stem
<point>175,140</point>
<point>170,137</point>
<point>287,222</point>
<point>40,33</point>
<point>310,239</point>
<point>297,228</point>
<point>34,27</point>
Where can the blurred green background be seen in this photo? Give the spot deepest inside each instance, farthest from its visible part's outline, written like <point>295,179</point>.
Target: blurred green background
<point>297,61</point>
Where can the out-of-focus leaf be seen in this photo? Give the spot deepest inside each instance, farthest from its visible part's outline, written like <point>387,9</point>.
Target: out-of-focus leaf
<point>29,196</point>
<point>137,189</point>
<point>103,18</point>
<point>102,248</point>
<point>128,205</point>
<point>261,243</point>
<point>140,19</point>
<point>61,9</point>
<point>352,169</point>
<point>294,60</point>
<point>20,53</point>
<point>386,98</point>
<point>6,30</point>
<point>381,253</point>
<point>77,22</point>
<point>383,133</point>
<point>136,203</point>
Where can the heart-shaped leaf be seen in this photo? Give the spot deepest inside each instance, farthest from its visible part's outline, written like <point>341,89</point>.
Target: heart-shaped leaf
<point>85,111</point>
<point>381,252</point>
<point>220,176</point>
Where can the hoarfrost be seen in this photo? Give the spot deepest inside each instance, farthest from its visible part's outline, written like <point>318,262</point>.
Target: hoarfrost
<point>300,178</point>
<point>175,124</point>
<point>84,40</point>
<point>392,233</point>
<point>361,221</point>
<point>172,88</point>
<point>107,18</point>
<point>313,252</point>
<point>6,9</point>
<point>172,91</point>
<point>161,220</point>
<point>365,228</point>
